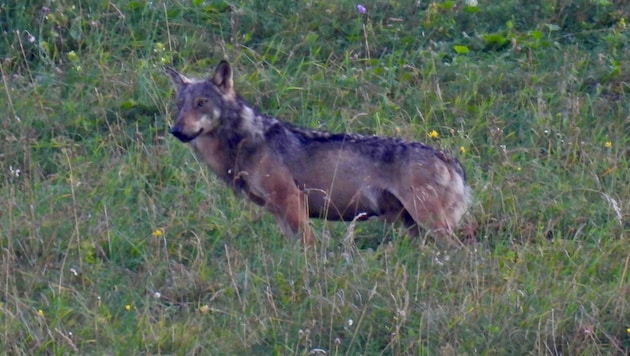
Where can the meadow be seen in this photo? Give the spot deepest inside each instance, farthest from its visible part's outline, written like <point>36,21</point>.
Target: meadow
<point>114,239</point>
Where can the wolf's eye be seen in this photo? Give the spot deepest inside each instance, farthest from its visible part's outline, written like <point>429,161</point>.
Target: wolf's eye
<point>201,102</point>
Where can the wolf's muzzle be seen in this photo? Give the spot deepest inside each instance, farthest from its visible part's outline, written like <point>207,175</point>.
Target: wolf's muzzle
<point>177,132</point>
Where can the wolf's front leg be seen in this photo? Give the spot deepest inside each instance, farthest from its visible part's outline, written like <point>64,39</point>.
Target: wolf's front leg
<point>287,203</point>
<point>275,183</point>
<point>292,218</point>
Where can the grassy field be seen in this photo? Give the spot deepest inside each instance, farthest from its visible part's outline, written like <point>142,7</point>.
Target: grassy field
<point>115,240</point>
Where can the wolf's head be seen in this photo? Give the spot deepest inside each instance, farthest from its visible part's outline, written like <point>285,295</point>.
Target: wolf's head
<point>200,102</point>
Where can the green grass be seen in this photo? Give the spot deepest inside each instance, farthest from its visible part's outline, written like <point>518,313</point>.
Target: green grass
<point>115,240</point>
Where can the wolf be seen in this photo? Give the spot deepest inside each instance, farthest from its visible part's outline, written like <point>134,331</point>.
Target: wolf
<point>298,173</point>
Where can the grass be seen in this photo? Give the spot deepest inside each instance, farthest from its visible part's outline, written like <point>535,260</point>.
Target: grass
<point>116,240</point>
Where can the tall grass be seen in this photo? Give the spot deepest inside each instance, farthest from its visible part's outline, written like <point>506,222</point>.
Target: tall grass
<point>116,240</point>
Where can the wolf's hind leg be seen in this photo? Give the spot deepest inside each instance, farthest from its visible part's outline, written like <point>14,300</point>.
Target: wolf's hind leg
<point>424,208</point>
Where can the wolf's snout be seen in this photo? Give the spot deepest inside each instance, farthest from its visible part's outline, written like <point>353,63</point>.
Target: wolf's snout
<point>177,132</point>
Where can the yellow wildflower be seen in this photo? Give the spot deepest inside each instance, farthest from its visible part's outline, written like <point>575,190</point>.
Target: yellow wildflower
<point>72,56</point>
<point>433,134</point>
<point>159,47</point>
<point>462,149</point>
<point>40,313</point>
<point>204,308</point>
<point>608,144</point>
<point>157,233</point>
<point>128,307</point>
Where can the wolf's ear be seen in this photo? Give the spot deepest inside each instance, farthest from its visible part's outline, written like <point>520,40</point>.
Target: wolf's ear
<point>222,78</point>
<point>179,80</point>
